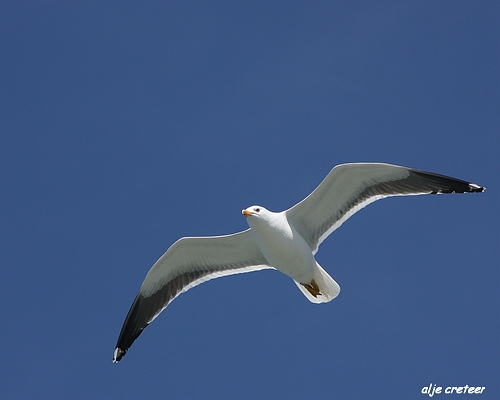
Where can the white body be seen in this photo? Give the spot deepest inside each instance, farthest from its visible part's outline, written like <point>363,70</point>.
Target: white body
<point>287,251</point>
<point>282,246</point>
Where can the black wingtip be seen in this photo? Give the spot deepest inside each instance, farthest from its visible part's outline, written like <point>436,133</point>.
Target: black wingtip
<point>473,188</point>
<point>145,309</point>
<point>132,327</point>
<point>445,184</point>
<point>118,354</point>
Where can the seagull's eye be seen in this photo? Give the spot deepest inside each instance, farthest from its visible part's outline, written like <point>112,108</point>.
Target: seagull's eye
<point>257,209</point>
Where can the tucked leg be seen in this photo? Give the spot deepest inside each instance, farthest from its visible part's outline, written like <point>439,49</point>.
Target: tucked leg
<point>312,288</point>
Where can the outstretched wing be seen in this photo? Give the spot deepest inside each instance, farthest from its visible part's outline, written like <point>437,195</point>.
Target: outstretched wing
<point>187,263</point>
<point>350,187</point>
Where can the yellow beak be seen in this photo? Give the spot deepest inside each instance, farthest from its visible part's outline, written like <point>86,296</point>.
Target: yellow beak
<point>246,213</point>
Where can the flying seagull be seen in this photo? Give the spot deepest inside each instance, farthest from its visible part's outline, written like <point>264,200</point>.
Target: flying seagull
<point>286,241</point>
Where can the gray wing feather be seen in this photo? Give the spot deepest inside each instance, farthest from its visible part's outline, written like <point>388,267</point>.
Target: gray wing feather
<point>187,263</point>
<point>350,187</point>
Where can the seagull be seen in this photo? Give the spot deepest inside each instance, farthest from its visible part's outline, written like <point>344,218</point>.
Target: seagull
<point>286,241</point>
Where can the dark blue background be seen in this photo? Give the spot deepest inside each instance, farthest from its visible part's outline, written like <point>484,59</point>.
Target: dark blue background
<point>126,125</point>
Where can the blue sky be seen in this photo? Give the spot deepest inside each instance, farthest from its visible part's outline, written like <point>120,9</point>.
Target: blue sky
<point>125,126</point>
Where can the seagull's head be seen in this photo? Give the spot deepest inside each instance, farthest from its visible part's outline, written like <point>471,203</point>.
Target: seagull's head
<point>254,211</point>
<point>257,213</point>
<point>260,216</point>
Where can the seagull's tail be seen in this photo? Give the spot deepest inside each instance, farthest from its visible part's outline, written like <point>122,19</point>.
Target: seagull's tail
<point>328,288</point>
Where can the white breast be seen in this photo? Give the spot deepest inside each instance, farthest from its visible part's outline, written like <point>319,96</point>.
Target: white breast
<point>283,247</point>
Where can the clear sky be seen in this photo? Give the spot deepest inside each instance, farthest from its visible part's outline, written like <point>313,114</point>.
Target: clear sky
<point>126,125</point>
